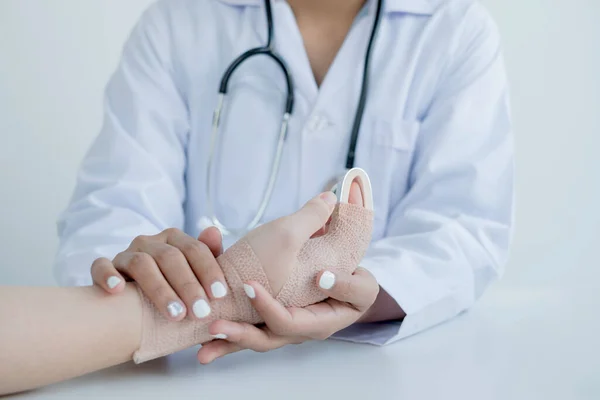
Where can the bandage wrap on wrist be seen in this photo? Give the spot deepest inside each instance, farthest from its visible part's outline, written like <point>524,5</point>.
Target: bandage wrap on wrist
<point>341,249</point>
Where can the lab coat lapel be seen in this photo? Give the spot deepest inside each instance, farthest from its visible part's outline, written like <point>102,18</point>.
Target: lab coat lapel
<point>347,66</point>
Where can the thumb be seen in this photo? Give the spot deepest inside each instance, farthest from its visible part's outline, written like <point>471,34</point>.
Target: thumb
<point>314,215</point>
<point>356,195</point>
<point>213,239</point>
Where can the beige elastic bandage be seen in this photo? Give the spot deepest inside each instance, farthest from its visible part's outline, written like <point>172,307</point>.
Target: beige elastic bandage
<point>339,250</point>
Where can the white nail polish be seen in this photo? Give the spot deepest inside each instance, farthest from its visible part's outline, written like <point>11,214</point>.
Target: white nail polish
<point>220,336</point>
<point>249,291</point>
<point>113,282</point>
<point>327,280</point>
<point>201,308</point>
<point>175,308</point>
<point>218,290</point>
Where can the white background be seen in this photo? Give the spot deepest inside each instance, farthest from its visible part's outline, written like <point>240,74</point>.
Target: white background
<point>56,56</point>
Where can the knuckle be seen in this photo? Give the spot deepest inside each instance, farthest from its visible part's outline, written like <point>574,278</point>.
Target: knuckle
<point>263,345</point>
<point>141,240</point>
<point>171,232</point>
<point>167,255</point>
<point>198,252</point>
<point>193,247</point>
<point>138,263</point>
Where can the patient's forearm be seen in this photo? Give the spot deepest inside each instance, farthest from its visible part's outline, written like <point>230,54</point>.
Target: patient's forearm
<point>51,334</point>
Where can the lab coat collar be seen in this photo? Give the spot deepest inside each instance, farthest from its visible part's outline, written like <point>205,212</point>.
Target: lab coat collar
<point>423,7</point>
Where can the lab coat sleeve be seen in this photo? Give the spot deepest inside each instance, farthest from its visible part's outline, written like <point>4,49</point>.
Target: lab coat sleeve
<point>448,238</point>
<point>131,181</point>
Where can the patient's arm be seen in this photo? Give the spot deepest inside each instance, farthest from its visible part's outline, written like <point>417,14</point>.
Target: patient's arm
<point>285,257</point>
<point>52,334</point>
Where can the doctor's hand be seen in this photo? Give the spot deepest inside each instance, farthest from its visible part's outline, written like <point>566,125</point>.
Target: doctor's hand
<point>177,272</point>
<point>350,297</point>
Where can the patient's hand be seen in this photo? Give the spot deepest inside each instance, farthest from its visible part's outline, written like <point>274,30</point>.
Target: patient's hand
<point>280,264</point>
<point>277,245</point>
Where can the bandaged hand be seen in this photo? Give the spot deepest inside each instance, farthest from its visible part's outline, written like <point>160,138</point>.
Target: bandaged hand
<point>282,261</point>
<point>349,294</point>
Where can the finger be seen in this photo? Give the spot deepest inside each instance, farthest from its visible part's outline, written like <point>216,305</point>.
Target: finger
<point>202,261</point>
<point>359,289</point>
<point>213,238</point>
<point>328,317</point>
<point>312,216</point>
<point>209,352</point>
<point>142,268</point>
<point>355,196</point>
<point>275,315</point>
<point>105,275</point>
<point>248,336</point>
<point>179,275</point>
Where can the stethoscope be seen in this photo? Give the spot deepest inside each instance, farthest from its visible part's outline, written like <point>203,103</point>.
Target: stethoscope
<point>268,50</point>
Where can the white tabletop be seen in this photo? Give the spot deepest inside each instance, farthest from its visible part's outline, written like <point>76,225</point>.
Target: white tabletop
<point>517,343</point>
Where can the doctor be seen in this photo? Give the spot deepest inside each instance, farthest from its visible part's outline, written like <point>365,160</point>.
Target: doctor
<point>412,91</point>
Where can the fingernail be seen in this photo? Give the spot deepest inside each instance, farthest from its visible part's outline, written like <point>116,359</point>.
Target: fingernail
<point>218,290</point>
<point>175,308</point>
<point>327,280</point>
<point>113,281</point>
<point>249,291</point>
<point>329,198</point>
<point>201,308</point>
<point>220,336</point>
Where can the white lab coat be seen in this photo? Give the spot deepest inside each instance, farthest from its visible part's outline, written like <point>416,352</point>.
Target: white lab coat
<point>435,140</point>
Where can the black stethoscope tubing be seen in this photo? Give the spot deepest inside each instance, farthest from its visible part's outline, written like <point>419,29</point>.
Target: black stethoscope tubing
<point>268,50</point>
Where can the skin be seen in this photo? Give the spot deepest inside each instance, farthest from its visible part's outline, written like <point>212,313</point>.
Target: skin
<point>59,333</point>
<point>324,26</point>
<point>169,267</point>
<point>172,266</point>
<point>51,334</point>
<point>355,302</point>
